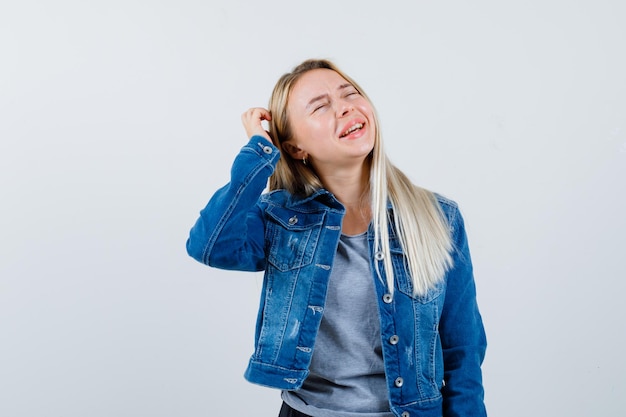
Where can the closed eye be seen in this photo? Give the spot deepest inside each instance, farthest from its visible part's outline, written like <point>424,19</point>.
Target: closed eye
<point>319,107</point>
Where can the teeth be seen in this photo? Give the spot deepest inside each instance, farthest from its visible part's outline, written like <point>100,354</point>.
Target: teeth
<point>353,128</point>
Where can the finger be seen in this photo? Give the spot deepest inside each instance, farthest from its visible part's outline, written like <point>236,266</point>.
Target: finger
<point>252,121</point>
<point>266,115</point>
<point>257,113</point>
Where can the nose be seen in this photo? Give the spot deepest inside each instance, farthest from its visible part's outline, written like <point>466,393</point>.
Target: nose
<point>345,108</point>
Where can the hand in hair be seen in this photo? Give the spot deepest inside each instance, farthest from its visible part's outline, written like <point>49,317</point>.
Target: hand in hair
<point>252,121</point>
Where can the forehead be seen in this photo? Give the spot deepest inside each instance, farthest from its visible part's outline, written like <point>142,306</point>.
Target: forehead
<point>315,82</point>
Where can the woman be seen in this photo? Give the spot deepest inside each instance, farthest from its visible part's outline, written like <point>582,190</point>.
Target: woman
<point>368,305</point>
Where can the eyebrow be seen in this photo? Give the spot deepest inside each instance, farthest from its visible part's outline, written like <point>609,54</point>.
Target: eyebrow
<point>322,96</point>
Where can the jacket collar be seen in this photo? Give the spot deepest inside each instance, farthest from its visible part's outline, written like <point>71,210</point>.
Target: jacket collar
<point>321,196</point>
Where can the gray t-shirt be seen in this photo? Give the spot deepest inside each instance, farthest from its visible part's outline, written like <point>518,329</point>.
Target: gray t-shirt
<point>347,374</point>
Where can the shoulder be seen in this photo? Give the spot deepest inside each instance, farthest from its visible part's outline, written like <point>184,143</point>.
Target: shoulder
<point>449,207</point>
<point>446,203</point>
<point>452,213</point>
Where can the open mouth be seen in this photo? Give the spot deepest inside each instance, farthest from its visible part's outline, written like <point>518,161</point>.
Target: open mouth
<point>353,128</point>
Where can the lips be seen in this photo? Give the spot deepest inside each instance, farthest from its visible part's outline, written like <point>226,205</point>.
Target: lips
<point>353,126</point>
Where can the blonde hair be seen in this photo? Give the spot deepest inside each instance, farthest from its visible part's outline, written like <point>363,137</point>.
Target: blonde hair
<point>418,220</point>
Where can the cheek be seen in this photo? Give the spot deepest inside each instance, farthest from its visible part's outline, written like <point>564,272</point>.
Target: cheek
<point>305,133</point>
<point>315,128</point>
<point>369,114</point>
<point>365,107</point>
<point>306,129</point>
<point>299,127</point>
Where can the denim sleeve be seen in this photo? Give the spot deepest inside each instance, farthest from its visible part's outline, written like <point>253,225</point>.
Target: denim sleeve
<point>229,233</point>
<point>462,333</point>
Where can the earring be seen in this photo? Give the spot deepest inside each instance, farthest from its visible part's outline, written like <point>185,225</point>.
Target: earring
<point>304,160</point>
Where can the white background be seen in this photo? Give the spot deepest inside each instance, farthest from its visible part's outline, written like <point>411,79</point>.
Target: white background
<point>118,119</point>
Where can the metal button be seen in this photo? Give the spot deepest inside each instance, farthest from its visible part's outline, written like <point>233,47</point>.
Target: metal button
<point>394,339</point>
<point>379,256</point>
<point>268,149</point>
<point>406,414</point>
<point>387,298</point>
<point>398,382</point>
<point>293,220</point>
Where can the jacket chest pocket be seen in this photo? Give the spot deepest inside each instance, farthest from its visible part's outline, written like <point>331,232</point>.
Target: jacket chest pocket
<point>292,237</point>
<point>403,278</point>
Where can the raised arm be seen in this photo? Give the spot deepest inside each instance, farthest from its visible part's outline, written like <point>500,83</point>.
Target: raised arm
<point>229,233</point>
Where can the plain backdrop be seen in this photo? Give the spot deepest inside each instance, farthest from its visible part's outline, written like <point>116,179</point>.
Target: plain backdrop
<point>119,119</point>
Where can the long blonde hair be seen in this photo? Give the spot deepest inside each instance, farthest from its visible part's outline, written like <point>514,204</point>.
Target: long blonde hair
<point>416,215</point>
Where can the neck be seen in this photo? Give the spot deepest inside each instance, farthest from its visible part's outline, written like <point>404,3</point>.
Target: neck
<point>349,185</point>
<point>351,188</point>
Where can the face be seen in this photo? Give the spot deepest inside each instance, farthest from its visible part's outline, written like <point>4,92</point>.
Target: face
<point>331,122</point>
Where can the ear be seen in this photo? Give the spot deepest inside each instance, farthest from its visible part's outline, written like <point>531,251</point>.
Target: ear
<point>294,151</point>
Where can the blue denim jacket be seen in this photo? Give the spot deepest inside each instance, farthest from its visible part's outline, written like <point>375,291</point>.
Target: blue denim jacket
<point>433,345</point>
